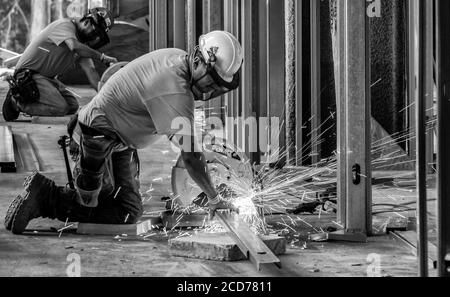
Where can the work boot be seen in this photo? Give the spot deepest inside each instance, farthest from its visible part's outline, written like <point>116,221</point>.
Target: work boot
<point>29,204</point>
<point>10,109</point>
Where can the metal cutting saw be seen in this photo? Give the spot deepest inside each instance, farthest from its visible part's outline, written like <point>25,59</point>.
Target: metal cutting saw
<point>226,165</point>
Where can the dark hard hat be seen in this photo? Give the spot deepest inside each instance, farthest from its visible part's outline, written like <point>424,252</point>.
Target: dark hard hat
<point>102,18</point>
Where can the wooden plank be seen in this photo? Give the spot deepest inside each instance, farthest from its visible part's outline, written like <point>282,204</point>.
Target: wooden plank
<point>7,161</point>
<point>109,229</point>
<point>11,62</point>
<point>248,242</point>
<point>397,224</point>
<point>26,152</point>
<point>171,220</point>
<point>219,246</point>
<point>7,54</point>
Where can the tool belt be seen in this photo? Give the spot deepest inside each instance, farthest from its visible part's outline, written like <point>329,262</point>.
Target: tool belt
<point>23,87</point>
<point>101,133</point>
<point>75,126</point>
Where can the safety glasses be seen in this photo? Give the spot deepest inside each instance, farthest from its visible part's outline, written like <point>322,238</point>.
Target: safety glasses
<point>209,84</point>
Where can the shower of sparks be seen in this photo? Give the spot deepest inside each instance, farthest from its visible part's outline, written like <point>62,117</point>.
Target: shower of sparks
<point>273,191</point>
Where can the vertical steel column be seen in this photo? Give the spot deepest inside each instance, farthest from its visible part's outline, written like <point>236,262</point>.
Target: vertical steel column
<point>158,24</point>
<point>263,75</point>
<point>299,82</point>
<point>228,20</point>
<point>206,27</point>
<point>354,106</point>
<point>315,81</point>
<point>212,11</point>
<point>231,12</point>
<point>152,26</point>
<point>191,25</point>
<point>413,31</point>
<point>421,147</point>
<point>290,86</point>
<point>443,79</point>
<point>341,114</point>
<point>248,138</point>
<point>429,83</point>
<point>275,77</point>
<point>161,24</point>
<point>179,24</point>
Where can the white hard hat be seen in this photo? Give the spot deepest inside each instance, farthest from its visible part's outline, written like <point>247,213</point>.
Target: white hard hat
<point>227,51</point>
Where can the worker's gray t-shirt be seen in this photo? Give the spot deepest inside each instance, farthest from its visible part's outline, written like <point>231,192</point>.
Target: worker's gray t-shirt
<point>144,99</point>
<point>47,53</point>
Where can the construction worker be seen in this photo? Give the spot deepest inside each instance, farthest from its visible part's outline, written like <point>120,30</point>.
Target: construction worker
<point>142,100</point>
<point>34,88</point>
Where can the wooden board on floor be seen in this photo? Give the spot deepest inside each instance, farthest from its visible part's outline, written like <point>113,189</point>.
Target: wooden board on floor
<point>174,220</point>
<point>7,160</point>
<point>219,246</point>
<point>247,241</point>
<point>27,159</point>
<point>107,229</point>
<point>397,224</point>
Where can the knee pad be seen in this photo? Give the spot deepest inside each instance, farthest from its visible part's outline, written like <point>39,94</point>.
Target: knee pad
<point>88,188</point>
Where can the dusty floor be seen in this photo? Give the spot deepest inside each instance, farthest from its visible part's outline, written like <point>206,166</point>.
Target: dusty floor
<point>46,253</point>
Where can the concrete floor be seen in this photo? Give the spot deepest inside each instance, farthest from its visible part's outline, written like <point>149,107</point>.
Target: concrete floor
<point>46,253</point>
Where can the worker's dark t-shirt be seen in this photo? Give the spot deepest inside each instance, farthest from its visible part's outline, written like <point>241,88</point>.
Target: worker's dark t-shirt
<point>47,53</point>
<point>150,96</point>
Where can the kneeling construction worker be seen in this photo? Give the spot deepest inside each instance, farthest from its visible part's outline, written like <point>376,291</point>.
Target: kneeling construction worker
<point>34,89</point>
<point>150,96</point>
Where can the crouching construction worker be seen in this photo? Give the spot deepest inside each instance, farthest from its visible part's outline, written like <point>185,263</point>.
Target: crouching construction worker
<point>34,88</point>
<point>151,95</point>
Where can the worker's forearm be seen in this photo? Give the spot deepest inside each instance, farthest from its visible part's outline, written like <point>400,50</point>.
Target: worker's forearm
<point>85,51</point>
<point>198,170</point>
<point>93,78</point>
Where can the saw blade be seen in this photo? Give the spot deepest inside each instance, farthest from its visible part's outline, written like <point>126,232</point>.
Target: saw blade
<point>223,169</point>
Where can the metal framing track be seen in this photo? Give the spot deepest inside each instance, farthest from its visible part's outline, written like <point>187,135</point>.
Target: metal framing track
<point>248,242</point>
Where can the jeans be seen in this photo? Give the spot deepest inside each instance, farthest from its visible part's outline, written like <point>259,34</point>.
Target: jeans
<point>55,99</point>
<point>119,201</point>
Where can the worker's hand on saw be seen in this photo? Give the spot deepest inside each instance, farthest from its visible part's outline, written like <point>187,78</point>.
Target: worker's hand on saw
<point>108,60</point>
<point>220,204</point>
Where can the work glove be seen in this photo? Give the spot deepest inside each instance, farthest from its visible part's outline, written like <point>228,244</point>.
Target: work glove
<point>108,60</point>
<point>219,203</point>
